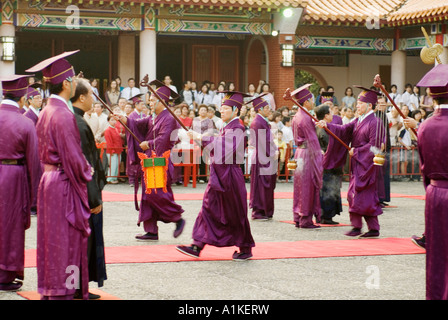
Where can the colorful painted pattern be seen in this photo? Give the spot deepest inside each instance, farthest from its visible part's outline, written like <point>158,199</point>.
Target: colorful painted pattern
<point>378,44</point>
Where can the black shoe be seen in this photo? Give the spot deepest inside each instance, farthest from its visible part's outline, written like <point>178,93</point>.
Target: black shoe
<point>328,221</point>
<point>179,228</point>
<point>92,296</point>
<point>419,241</point>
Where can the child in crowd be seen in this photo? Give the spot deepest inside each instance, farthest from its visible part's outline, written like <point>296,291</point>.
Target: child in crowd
<point>114,148</point>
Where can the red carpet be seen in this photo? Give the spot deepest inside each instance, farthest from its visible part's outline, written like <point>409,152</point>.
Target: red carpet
<point>321,224</point>
<point>33,295</point>
<point>263,251</point>
<point>113,196</point>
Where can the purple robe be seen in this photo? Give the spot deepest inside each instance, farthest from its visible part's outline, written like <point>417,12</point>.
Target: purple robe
<point>30,114</point>
<point>222,220</point>
<point>308,174</point>
<point>432,135</point>
<point>362,191</point>
<point>161,136</point>
<point>18,188</point>
<point>133,168</point>
<point>63,207</point>
<point>263,174</point>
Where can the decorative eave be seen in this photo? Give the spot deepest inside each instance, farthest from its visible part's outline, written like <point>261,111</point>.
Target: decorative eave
<point>251,5</point>
<point>348,12</point>
<point>415,12</point>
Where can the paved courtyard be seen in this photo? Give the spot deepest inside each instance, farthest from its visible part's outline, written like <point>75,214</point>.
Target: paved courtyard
<point>360,277</point>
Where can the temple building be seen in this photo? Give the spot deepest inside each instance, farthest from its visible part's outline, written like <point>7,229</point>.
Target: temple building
<point>338,42</point>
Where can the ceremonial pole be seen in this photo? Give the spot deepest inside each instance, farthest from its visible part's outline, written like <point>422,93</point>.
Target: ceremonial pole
<point>287,96</point>
<point>377,84</point>
<point>124,125</point>
<point>145,83</point>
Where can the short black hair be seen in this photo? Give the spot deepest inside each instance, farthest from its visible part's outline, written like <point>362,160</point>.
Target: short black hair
<point>12,97</point>
<point>322,110</point>
<point>55,88</point>
<point>81,89</point>
<point>286,119</point>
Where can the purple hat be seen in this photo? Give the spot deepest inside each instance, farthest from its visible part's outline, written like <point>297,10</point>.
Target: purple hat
<point>32,91</point>
<point>437,81</point>
<point>55,69</point>
<point>327,96</point>
<point>258,102</point>
<point>164,92</point>
<point>233,98</point>
<point>368,96</point>
<point>15,85</point>
<point>137,98</point>
<point>302,94</point>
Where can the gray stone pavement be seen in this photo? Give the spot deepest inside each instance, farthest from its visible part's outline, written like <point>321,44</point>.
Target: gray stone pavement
<point>399,277</point>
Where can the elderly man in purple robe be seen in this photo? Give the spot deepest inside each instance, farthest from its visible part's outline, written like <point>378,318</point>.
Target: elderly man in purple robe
<point>133,167</point>
<point>222,220</point>
<point>63,206</point>
<point>432,140</point>
<point>365,142</point>
<point>308,156</point>
<point>263,174</point>
<point>159,132</point>
<point>19,179</point>
<point>34,100</point>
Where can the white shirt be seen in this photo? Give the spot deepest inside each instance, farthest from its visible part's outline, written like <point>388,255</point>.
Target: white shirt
<point>11,103</point>
<point>129,92</point>
<point>36,112</point>
<point>287,134</point>
<point>362,117</point>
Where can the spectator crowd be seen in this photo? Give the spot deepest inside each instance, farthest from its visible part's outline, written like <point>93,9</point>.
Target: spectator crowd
<point>198,108</point>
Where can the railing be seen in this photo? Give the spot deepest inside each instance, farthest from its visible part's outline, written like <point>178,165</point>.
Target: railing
<point>403,164</point>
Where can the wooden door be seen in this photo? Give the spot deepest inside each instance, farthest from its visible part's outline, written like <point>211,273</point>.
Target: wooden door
<point>215,63</point>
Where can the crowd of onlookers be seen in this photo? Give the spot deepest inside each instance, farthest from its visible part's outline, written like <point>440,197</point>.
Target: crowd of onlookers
<point>198,108</point>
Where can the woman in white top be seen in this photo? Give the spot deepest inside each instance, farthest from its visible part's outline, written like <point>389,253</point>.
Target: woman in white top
<point>217,98</point>
<point>204,97</point>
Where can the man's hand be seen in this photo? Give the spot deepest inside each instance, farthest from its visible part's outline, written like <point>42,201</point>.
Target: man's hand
<point>352,150</point>
<point>410,123</point>
<point>144,145</point>
<point>96,210</point>
<point>321,124</point>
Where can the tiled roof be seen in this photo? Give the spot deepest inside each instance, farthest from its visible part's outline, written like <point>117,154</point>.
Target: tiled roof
<point>420,11</point>
<point>391,12</point>
<point>348,11</point>
<point>255,4</point>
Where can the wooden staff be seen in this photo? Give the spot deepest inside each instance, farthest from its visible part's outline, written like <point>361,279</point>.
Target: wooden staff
<point>124,125</point>
<point>145,83</point>
<point>81,75</point>
<point>377,84</point>
<point>287,96</point>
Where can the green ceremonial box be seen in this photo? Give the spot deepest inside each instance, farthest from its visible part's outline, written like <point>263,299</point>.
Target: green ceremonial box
<point>154,162</point>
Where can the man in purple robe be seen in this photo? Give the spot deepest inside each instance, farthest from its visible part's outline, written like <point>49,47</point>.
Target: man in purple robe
<point>133,167</point>
<point>34,99</point>
<point>19,180</point>
<point>263,174</point>
<point>432,135</point>
<point>308,156</point>
<point>222,220</point>
<point>365,140</point>
<point>159,132</point>
<point>63,206</point>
